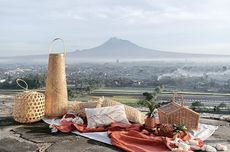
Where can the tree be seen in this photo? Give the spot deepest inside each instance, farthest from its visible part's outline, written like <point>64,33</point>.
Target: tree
<point>224,68</point>
<point>33,81</point>
<point>222,105</point>
<point>196,104</point>
<point>71,93</point>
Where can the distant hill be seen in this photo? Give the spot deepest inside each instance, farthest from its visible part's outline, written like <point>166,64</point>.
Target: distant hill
<point>113,49</point>
<point>116,48</point>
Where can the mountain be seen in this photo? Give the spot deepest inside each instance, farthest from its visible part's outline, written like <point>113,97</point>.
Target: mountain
<point>111,50</point>
<point>116,48</point>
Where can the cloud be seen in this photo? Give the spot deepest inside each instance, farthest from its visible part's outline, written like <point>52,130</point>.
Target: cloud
<point>168,24</point>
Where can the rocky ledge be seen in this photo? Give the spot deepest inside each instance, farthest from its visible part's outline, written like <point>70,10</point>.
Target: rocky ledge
<point>37,137</point>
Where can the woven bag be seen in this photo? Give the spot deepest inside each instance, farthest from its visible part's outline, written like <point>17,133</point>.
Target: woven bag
<point>28,106</point>
<point>174,113</point>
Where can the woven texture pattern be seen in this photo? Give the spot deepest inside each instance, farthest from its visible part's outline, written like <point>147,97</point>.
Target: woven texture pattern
<point>105,116</point>
<point>56,88</point>
<point>133,115</point>
<point>174,113</point>
<point>78,107</point>
<point>28,107</point>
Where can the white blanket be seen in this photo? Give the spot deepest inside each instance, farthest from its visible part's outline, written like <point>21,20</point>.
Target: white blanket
<point>98,136</point>
<point>204,132</point>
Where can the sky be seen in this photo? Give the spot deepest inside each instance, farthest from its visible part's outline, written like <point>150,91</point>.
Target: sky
<point>191,26</point>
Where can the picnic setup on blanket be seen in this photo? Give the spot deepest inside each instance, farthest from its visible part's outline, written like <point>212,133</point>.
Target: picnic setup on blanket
<point>174,127</point>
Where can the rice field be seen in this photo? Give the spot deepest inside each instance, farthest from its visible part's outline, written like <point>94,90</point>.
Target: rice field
<point>131,96</point>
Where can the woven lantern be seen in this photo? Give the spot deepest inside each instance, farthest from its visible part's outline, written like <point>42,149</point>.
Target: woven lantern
<point>56,86</point>
<point>28,106</point>
<point>174,113</point>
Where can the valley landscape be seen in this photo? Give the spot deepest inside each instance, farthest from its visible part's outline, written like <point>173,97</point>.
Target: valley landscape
<point>118,50</point>
<point>102,76</point>
<point>122,68</point>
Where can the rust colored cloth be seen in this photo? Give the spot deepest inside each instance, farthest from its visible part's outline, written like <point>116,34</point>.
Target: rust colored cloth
<point>69,126</point>
<point>131,138</point>
<point>127,137</point>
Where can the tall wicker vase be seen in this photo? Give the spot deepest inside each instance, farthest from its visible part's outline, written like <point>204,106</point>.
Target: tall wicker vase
<point>56,87</point>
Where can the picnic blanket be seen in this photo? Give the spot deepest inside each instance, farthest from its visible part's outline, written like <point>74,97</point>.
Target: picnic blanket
<point>127,137</point>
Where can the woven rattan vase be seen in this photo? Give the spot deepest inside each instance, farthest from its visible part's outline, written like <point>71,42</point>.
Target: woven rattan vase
<point>28,106</point>
<point>56,88</point>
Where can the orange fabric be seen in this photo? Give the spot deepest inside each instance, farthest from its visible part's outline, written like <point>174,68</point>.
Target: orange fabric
<point>183,135</point>
<point>69,126</point>
<point>127,137</point>
<point>131,138</point>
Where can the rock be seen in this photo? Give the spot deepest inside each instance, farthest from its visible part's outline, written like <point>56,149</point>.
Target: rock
<point>225,118</point>
<point>220,147</point>
<point>6,121</point>
<point>40,132</point>
<point>208,148</point>
<point>82,144</point>
<point>11,145</point>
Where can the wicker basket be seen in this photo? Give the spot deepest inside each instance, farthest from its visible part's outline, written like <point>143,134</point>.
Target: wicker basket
<point>174,113</point>
<point>28,106</point>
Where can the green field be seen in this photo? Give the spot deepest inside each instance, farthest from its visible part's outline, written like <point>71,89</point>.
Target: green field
<point>139,91</point>
<point>131,96</point>
<point>128,100</point>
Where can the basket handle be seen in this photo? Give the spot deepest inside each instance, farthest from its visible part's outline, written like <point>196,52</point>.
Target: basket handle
<point>176,94</point>
<point>18,83</point>
<point>52,44</point>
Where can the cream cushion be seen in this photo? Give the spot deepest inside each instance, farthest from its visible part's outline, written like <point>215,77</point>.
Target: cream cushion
<point>133,114</point>
<point>105,116</point>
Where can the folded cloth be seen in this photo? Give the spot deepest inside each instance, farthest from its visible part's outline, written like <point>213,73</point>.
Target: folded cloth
<point>68,124</point>
<point>132,139</point>
<point>127,137</point>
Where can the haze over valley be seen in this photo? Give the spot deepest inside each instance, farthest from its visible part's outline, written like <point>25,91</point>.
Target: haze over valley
<point>119,50</point>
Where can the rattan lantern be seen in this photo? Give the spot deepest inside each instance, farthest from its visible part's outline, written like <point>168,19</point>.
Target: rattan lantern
<point>28,106</point>
<point>174,113</point>
<point>56,86</point>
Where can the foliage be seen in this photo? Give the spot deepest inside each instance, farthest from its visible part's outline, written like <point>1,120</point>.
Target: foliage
<point>178,128</point>
<point>197,104</point>
<point>71,93</point>
<point>33,81</point>
<point>150,101</point>
<point>222,105</point>
<point>151,106</point>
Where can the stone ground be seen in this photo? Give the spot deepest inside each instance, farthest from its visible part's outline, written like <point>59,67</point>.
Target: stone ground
<point>37,137</point>
<point>15,137</point>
